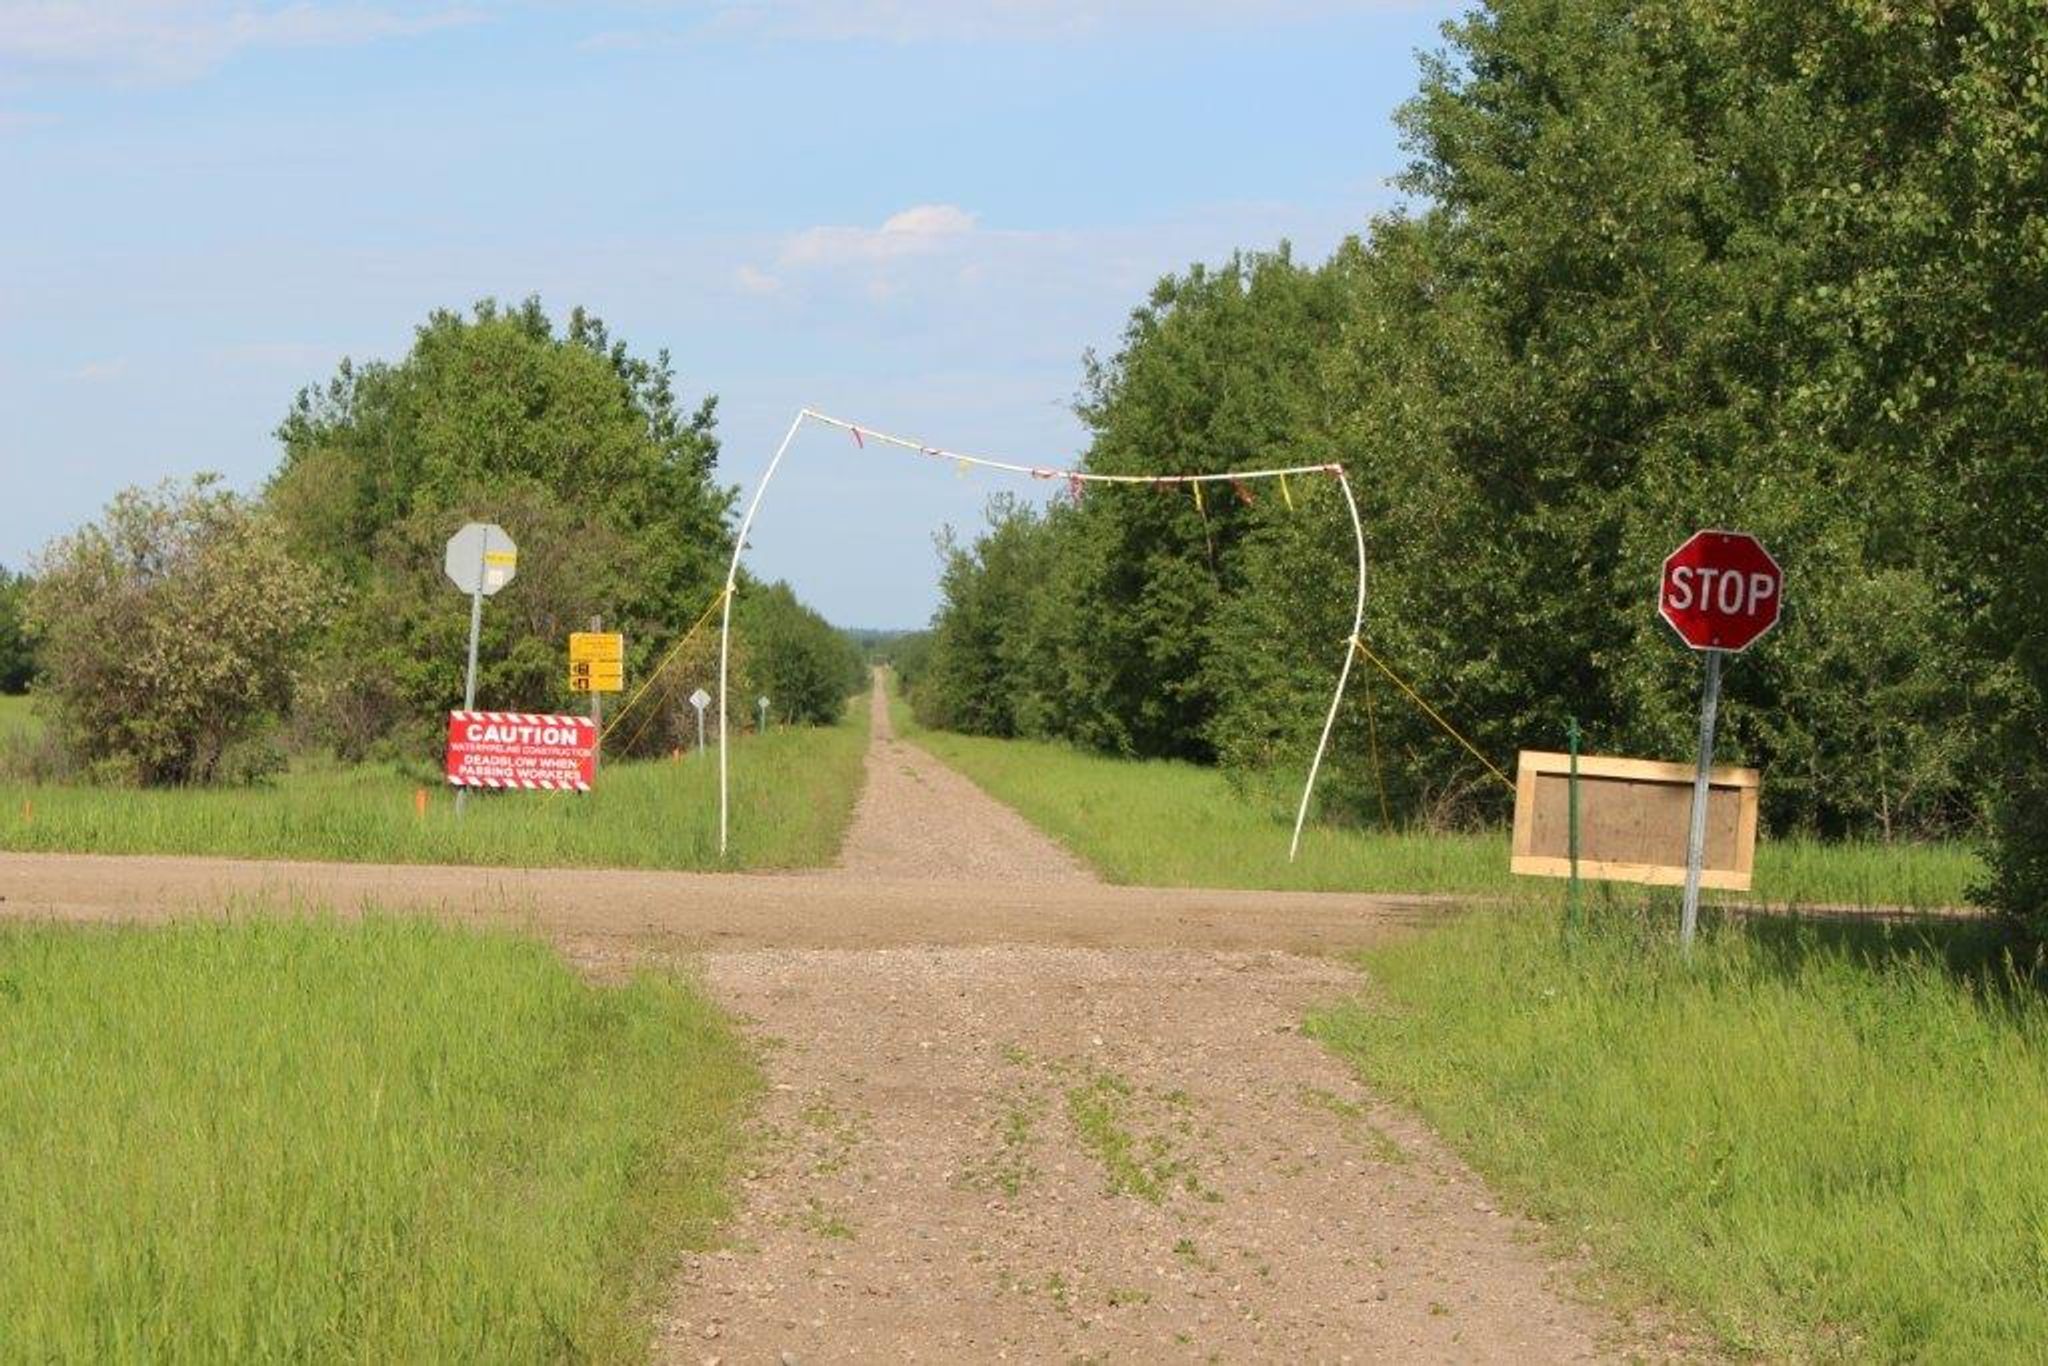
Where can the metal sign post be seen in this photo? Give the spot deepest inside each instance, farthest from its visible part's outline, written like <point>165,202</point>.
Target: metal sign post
<point>1696,836</point>
<point>480,560</point>
<point>597,697</point>
<point>762,703</point>
<point>700,700</point>
<point>1720,591</point>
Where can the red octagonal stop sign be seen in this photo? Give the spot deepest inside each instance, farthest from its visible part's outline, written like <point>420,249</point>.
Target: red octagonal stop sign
<point>1721,590</point>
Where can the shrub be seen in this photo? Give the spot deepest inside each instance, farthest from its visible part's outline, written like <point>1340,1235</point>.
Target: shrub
<point>170,630</point>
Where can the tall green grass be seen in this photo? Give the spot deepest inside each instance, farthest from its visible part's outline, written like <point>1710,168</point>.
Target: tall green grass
<point>1821,1140</point>
<point>793,791</point>
<point>1158,823</point>
<point>298,1139</point>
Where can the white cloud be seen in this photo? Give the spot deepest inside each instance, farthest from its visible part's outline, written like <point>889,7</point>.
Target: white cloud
<point>161,41</point>
<point>917,231</point>
<point>940,259</point>
<point>99,371</point>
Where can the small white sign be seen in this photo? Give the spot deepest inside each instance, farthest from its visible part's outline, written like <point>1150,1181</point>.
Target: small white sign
<point>700,699</point>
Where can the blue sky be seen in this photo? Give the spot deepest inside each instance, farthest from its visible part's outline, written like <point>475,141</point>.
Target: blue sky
<point>914,214</point>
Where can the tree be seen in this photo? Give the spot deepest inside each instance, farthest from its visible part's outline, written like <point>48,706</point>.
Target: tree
<point>575,446</point>
<point>1762,263</point>
<point>806,666</point>
<point>171,629</point>
<point>17,656</point>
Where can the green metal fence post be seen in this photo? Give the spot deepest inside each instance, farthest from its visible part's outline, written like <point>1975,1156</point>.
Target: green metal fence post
<point>1571,731</point>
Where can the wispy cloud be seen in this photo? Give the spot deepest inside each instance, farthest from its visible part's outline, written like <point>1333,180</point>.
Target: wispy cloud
<point>167,41</point>
<point>98,371</point>
<point>753,280</point>
<point>962,21</point>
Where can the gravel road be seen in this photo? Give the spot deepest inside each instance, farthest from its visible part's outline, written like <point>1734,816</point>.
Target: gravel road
<point>1033,1152</point>
<point>1013,1113</point>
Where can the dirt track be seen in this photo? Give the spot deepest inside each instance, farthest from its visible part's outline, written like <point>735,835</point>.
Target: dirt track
<point>1013,1112</point>
<point>1034,1150</point>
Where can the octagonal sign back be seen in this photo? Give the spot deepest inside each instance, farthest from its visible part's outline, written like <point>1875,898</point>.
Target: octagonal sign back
<point>1721,590</point>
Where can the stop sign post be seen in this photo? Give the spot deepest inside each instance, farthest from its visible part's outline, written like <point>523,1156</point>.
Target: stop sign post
<point>1721,590</point>
<point>480,559</point>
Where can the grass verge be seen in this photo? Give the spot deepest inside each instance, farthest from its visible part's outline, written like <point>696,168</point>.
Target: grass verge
<point>793,792</point>
<point>1163,824</point>
<point>381,1141</point>
<point>1822,1140</point>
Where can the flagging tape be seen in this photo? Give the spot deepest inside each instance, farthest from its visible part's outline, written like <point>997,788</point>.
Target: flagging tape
<point>656,672</point>
<point>862,435</point>
<point>1433,713</point>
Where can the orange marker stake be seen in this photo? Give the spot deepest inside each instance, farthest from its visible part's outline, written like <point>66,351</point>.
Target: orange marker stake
<point>419,802</point>
<point>28,812</point>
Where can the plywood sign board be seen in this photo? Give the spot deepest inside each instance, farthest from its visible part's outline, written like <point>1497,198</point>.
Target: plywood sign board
<point>1633,819</point>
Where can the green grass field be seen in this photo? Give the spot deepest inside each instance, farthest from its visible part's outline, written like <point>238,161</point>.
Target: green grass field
<point>1166,824</point>
<point>792,790</point>
<point>301,1139</point>
<point>1819,1141</point>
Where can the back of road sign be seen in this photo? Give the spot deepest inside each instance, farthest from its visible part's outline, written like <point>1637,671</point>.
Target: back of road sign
<point>481,556</point>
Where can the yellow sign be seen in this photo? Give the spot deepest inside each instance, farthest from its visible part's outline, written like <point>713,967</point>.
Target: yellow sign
<point>597,647</point>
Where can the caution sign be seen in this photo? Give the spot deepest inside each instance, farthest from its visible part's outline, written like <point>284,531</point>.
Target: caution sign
<point>597,661</point>
<point>526,750</point>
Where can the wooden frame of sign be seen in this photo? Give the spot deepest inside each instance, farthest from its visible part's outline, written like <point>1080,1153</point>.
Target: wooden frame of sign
<point>1633,818</point>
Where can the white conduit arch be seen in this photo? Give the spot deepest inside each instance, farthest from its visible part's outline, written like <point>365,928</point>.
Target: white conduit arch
<point>1074,478</point>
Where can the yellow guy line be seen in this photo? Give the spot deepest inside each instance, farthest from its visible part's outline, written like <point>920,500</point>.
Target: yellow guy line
<point>1448,728</point>
<point>666,660</point>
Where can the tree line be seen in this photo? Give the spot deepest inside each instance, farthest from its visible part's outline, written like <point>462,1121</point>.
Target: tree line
<point>1765,264</point>
<point>177,635</point>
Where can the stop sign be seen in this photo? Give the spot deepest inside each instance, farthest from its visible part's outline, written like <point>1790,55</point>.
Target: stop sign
<point>1721,590</point>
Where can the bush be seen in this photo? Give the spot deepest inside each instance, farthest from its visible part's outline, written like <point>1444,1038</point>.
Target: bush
<point>170,630</point>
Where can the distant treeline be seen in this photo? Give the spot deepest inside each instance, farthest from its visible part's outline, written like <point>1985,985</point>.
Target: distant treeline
<point>188,621</point>
<point>1766,264</point>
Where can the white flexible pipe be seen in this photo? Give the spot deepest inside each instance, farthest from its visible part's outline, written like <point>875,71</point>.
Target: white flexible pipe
<point>732,573</point>
<point>1343,675</point>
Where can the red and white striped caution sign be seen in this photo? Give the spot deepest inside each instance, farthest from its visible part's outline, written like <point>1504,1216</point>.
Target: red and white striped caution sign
<point>529,751</point>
